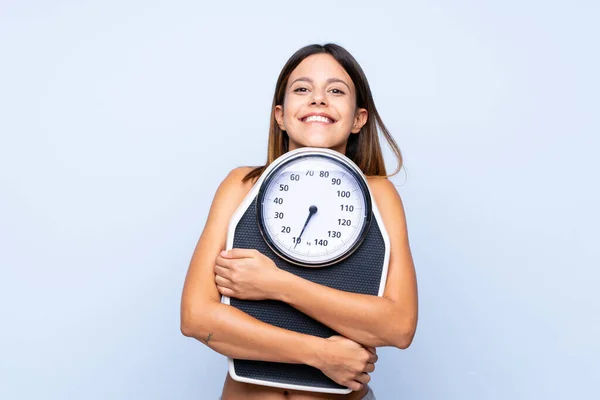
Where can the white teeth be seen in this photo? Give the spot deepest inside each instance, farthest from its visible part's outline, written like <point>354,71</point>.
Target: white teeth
<point>318,118</point>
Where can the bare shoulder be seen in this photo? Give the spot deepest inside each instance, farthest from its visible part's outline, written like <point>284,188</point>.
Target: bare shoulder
<point>234,180</point>
<point>385,192</point>
<point>380,183</point>
<point>236,176</point>
<point>232,190</point>
<point>390,205</point>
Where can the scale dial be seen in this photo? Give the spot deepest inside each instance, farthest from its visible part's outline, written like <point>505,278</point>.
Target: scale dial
<point>314,209</point>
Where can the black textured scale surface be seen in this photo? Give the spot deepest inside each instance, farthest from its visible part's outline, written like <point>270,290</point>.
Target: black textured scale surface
<point>361,272</point>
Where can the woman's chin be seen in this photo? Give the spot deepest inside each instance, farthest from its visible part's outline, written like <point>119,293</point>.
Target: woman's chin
<point>321,144</point>
<point>340,148</point>
<point>315,146</point>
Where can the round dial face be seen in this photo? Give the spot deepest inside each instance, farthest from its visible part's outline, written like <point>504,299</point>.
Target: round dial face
<point>314,210</point>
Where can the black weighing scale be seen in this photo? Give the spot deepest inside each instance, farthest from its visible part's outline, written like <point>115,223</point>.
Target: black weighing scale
<point>312,213</point>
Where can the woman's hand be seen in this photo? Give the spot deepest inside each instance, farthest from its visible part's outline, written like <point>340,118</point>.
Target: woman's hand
<point>247,274</point>
<point>347,362</point>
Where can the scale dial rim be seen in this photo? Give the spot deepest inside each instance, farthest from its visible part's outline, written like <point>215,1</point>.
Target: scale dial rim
<point>351,168</point>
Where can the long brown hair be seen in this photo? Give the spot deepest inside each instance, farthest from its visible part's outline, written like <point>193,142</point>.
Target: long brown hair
<point>363,148</point>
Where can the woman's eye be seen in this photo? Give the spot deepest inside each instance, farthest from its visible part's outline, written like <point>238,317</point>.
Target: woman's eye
<point>301,89</point>
<point>336,91</point>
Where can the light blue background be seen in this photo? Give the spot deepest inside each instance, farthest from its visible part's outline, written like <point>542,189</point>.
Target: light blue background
<point>118,120</point>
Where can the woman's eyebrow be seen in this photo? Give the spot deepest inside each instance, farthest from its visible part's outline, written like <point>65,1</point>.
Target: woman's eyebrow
<point>330,80</point>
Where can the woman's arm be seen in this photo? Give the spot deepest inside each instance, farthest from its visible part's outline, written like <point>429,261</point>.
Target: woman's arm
<point>371,320</point>
<point>226,329</point>
<point>235,334</point>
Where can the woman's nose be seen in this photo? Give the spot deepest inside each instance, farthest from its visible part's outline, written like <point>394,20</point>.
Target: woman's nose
<point>318,98</point>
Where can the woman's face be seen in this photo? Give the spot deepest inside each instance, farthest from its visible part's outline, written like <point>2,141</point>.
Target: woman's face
<point>319,107</point>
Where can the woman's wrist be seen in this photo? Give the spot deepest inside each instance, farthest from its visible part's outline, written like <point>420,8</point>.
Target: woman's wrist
<point>281,285</point>
<point>314,352</point>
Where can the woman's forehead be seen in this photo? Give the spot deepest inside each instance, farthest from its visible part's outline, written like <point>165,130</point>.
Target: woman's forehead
<point>320,67</point>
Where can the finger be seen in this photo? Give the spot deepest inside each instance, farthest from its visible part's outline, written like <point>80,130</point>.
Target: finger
<point>354,386</point>
<point>369,368</point>
<point>223,282</point>
<point>225,262</point>
<point>222,271</point>
<point>371,349</point>
<point>226,291</point>
<point>363,378</point>
<point>240,253</point>
<point>372,358</point>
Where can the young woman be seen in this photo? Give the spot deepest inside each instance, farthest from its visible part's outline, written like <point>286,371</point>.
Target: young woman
<point>324,81</point>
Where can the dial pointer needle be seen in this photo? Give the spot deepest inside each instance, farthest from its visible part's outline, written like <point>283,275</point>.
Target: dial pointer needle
<point>311,211</point>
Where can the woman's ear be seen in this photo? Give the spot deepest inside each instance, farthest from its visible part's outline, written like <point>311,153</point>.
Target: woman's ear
<point>279,117</point>
<point>360,120</point>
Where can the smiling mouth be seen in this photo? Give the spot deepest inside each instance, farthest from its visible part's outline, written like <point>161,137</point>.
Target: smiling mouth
<point>317,118</point>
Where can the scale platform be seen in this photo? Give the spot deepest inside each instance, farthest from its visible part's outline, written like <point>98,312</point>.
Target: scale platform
<point>364,271</point>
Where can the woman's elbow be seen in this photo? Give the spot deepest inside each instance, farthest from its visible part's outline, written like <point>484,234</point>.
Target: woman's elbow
<point>193,318</point>
<point>186,327</point>
<point>403,334</point>
<point>187,323</point>
<point>403,341</point>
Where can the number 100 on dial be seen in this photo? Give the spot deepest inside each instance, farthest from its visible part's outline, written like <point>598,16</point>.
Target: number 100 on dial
<point>314,210</point>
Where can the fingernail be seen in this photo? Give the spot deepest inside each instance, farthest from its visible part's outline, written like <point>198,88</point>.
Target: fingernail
<point>224,253</point>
